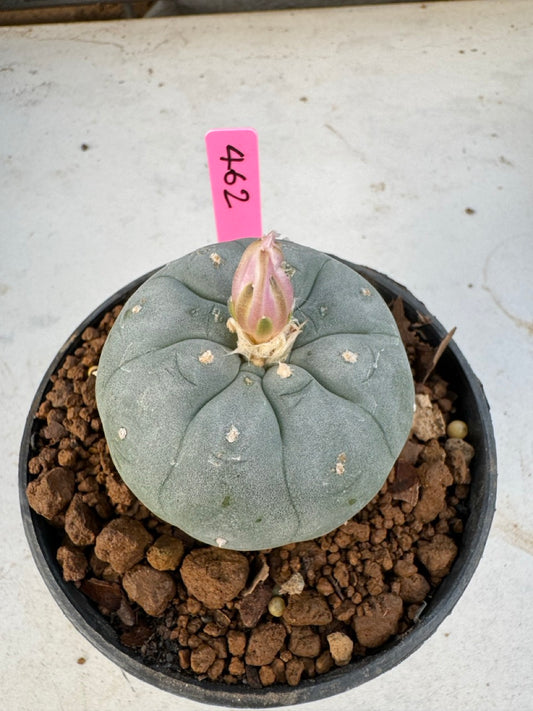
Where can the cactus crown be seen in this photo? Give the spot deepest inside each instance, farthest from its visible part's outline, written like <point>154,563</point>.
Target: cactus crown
<point>261,304</point>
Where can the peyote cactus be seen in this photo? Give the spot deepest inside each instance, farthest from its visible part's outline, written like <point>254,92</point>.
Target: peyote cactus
<point>255,451</point>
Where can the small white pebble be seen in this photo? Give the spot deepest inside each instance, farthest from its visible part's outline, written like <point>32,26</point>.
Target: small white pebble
<point>206,357</point>
<point>122,433</point>
<point>294,585</point>
<point>216,259</point>
<point>135,309</point>
<point>284,370</point>
<point>233,434</point>
<point>365,291</point>
<point>221,542</point>
<point>340,647</point>
<point>350,356</point>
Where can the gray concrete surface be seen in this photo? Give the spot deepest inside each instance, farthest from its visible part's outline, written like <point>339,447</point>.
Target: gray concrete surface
<point>394,136</point>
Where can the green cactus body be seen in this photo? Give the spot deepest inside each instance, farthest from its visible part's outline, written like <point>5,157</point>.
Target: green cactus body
<point>239,455</point>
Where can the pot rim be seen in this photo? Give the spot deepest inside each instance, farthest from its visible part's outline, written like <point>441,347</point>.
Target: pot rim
<point>86,618</point>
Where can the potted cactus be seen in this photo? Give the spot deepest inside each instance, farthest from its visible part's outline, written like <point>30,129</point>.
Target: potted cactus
<point>277,437</point>
<point>253,398</point>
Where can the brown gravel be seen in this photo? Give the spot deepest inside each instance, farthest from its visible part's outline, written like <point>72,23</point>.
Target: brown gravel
<point>379,619</point>
<point>166,553</point>
<point>51,491</point>
<point>152,589</point>
<point>214,576</point>
<point>304,642</point>
<point>341,648</point>
<point>308,608</point>
<point>265,642</point>
<point>122,543</point>
<point>204,610</point>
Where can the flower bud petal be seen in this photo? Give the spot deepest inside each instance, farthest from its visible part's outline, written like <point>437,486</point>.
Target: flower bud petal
<point>262,295</point>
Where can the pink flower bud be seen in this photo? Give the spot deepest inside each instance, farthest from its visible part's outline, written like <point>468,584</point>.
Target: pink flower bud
<point>262,296</point>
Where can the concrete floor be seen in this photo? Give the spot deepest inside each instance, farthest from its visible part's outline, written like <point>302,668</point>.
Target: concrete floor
<point>394,136</point>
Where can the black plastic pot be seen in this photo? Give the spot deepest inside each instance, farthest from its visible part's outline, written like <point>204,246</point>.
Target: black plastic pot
<point>472,406</point>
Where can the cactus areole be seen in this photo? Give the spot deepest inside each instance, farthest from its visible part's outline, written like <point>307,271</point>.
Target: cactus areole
<point>258,410</point>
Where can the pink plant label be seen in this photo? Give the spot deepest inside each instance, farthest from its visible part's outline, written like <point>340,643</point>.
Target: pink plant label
<point>233,159</point>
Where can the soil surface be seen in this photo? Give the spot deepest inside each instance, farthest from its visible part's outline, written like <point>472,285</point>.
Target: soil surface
<point>258,618</point>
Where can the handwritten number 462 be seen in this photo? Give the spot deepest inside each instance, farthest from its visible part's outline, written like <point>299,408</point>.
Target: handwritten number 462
<point>233,155</point>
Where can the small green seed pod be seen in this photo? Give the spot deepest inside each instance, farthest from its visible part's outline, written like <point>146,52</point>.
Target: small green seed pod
<point>457,429</point>
<point>276,606</point>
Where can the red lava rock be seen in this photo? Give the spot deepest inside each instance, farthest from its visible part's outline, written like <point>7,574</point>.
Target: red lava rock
<point>214,630</point>
<point>433,452</point>
<point>236,642</point>
<point>54,432</point>
<point>81,524</point>
<point>253,606</point>
<point>216,669</point>
<point>324,662</point>
<point>67,458</point>
<point>88,392</point>
<point>119,494</point>
<point>324,587</point>
<point>166,553</point>
<point>414,588</point>
<point>46,459</point>
<point>214,576</point>
<point>137,635</point>
<point>104,593</point>
<point>267,676</point>
<point>304,642</point>
<point>410,451</point>
<point>405,568</point>
<point>278,667</point>
<point>437,555</point>
<point>311,557</point>
<point>58,396</point>
<point>293,671</point>
<point>459,455</point>
<point>126,614</point>
<point>265,642</point>
<point>149,588</point>
<point>345,611</point>
<point>252,677</point>
<point>77,427</point>
<point>309,608</point>
<point>122,543</point>
<point>202,657</point>
<point>358,531</point>
<point>379,621</point>
<point>51,491</point>
<point>73,563</point>
<point>406,484</point>
<point>435,477</point>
